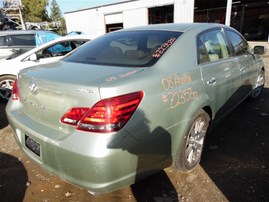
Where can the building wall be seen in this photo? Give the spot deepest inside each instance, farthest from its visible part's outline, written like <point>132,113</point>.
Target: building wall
<point>131,13</point>
<point>135,17</point>
<point>183,11</point>
<point>87,21</point>
<point>136,13</point>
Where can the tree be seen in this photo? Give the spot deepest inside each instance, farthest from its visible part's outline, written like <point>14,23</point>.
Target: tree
<point>35,10</point>
<point>56,15</point>
<point>55,12</point>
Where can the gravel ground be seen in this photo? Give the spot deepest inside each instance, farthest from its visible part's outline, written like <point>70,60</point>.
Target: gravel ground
<point>234,166</point>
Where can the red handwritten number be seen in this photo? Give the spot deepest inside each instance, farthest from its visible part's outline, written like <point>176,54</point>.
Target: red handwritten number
<point>180,97</point>
<point>164,47</point>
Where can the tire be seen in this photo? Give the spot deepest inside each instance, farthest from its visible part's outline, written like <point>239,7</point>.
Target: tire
<point>33,28</point>
<point>6,86</point>
<point>191,150</point>
<point>256,92</point>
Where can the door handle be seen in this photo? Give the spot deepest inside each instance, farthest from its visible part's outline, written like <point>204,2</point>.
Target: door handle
<point>211,81</point>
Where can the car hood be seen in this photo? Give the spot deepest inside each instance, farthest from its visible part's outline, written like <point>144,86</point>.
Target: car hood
<point>48,91</point>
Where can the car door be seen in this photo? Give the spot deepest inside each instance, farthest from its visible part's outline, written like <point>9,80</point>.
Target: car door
<point>220,71</point>
<point>246,61</point>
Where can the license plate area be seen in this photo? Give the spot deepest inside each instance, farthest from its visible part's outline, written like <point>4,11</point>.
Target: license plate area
<point>33,145</point>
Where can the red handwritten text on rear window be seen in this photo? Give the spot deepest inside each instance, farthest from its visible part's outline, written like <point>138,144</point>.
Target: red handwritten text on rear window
<point>163,47</point>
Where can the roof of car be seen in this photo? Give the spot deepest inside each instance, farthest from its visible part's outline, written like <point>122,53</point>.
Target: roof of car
<point>180,27</point>
<point>13,32</point>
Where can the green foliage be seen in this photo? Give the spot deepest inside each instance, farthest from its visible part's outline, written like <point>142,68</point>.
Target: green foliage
<point>62,31</point>
<point>56,15</point>
<point>55,12</point>
<point>35,10</point>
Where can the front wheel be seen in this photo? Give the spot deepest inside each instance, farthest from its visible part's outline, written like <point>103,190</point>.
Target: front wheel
<point>190,153</point>
<point>6,86</point>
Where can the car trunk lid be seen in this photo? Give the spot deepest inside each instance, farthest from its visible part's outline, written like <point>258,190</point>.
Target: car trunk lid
<point>47,94</point>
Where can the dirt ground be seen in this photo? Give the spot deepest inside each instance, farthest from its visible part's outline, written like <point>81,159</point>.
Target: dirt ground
<point>234,166</point>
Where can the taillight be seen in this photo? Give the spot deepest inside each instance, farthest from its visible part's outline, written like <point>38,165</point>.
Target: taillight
<point>74,115</point>
<point>107,115</point>
<point>15,91</point>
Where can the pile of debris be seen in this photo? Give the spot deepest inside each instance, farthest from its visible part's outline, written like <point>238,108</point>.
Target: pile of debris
<point>10,15</point>
<point>11,18</point>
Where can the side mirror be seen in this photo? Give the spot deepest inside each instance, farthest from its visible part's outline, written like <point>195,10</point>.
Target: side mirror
<point>33,57</point>
<point>259,50</point>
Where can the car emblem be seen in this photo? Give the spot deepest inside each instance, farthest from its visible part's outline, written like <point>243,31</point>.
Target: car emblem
<point>33,87</point>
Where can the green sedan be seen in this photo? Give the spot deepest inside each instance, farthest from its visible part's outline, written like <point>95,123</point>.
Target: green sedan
<point>132,102</point>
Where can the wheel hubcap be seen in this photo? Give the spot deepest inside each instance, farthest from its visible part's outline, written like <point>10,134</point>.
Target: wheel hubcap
<point>195,141</point>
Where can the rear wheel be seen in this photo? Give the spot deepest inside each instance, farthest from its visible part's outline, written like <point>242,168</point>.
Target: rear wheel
<point>191,150</point>
<point>6,86</point>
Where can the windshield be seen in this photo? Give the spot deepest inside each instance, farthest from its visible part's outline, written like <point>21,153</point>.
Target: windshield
<point>128,48</point>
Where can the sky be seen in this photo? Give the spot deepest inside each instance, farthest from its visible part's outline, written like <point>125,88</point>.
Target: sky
<point>71,5</point>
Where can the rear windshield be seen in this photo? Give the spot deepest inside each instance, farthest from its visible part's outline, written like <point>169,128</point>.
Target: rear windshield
<point>132,48</point>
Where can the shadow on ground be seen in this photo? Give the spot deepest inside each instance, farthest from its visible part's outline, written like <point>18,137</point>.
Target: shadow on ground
<point>13,179</point>
<point>237,151</point>
<point>157,188</point>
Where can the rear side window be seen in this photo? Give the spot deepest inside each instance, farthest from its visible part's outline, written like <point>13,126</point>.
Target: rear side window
<point>22,40</point>
<point>132,48</point>
<point>212,46</point>
<point>240,45</point>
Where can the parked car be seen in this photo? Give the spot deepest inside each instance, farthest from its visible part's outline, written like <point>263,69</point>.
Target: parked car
<point>16,42</point>
<point>48,52</point>
<point>132,102</point>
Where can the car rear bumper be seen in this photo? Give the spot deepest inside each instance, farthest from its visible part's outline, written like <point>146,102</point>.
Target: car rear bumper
<point>99,163</point>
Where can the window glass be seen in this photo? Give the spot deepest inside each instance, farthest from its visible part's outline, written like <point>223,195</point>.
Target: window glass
<point>202,53</point>
<point>43,37</point>
<point>22,40</point>
<point>213,45</point>
<point>59,49</point>
<point>240,45</point>
<point>134,48</point>
<point>3,41</point>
